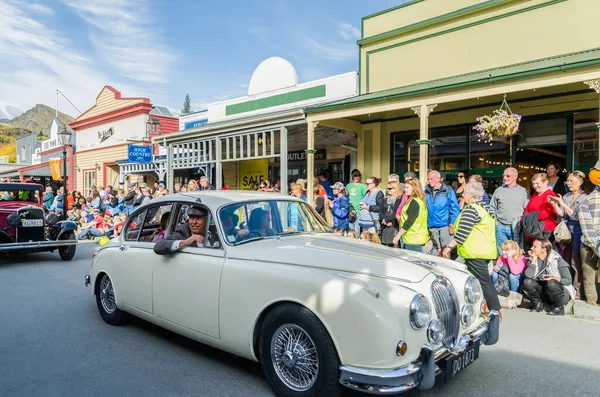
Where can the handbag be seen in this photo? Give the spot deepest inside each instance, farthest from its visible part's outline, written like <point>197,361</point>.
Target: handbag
<point>562,234</point>
<point>328,216</point>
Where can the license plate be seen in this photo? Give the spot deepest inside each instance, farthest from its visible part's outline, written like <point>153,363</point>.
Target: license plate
<point>457,363</point>
<point>32,222</point>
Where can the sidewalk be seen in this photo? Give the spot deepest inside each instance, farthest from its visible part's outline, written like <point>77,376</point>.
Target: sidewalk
<point>574,308</point>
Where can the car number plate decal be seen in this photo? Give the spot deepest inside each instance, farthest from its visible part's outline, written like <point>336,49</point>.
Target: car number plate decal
<point>455,364</point>
<point>32,222</point>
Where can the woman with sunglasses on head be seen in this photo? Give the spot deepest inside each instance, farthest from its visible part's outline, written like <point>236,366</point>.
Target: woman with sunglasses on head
<point>389,222</point>
<point>567,208</point>
<point>463,178</point>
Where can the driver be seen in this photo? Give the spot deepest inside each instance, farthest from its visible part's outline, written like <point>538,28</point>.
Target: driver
<point>190,234</point>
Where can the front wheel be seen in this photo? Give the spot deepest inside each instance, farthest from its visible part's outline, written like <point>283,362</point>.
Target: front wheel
<point>67,252</point>
<point>107,304</point>
<point>297,354</point>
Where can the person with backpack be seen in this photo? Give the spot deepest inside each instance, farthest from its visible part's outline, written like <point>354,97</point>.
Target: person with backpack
<point>340,207</point>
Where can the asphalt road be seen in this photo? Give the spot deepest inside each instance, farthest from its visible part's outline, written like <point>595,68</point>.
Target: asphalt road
<point>54,343</point>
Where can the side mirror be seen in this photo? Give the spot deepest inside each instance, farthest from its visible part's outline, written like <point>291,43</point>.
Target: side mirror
<point>14,220</point>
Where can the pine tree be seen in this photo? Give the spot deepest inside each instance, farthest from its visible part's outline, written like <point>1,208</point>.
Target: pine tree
<point>41,135</point>
<point>187,107</point>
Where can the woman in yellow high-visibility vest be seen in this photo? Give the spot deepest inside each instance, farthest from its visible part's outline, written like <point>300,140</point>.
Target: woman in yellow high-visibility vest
<point>475,237</point>
<point>413,218</point>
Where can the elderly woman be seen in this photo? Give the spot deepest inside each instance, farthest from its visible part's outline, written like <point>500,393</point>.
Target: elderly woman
<point>476,240</point>
<point>540,202</point>
<point>547,279</point>
<point>567,208</point>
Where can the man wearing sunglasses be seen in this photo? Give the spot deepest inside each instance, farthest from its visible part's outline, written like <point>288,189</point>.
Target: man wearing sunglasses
<point>507,206</point>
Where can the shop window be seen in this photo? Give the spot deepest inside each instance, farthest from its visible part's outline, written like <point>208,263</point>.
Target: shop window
<point>447,151</point>
<point>89,180</point>
<point>489,159</point>
<point>585,140</point>
<point>405,152</point>
<point>336,172</point>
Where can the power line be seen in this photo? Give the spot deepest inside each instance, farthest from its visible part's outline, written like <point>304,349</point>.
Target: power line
<point>59,91</point>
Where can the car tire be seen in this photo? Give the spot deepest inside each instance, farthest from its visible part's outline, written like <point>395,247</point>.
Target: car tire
<point>311,345</point>
<point>105,299</point>
<point>68,251</point>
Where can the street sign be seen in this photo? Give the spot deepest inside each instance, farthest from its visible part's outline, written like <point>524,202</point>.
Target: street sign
<point>139,154</point>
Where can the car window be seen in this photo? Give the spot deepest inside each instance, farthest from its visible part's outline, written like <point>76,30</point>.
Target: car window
<point>155,223</point>
<point>211,236</point>
<point>132,229</point>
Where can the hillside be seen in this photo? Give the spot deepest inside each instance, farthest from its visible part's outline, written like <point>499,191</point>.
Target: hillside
<point>8,137</point>
<point>39,119</point>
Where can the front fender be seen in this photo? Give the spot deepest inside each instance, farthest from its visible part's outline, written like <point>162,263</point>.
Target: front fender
<point>4,237</point>
<point>65,227</point>
<point>361,321</point>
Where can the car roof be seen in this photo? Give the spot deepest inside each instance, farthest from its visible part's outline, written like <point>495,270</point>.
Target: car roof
<point>19,186</point>
<point>217,198</point>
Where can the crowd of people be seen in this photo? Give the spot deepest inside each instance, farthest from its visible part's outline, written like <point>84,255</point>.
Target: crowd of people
<point>542,242</point>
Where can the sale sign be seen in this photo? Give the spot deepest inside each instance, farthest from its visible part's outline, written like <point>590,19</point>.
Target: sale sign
<point>253,171</point>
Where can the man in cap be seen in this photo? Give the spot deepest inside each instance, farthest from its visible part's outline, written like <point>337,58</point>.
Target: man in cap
<point>190,234</point>
<point>589,218</point>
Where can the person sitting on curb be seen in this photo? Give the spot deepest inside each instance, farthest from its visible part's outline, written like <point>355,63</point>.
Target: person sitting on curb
<point>547,279</point>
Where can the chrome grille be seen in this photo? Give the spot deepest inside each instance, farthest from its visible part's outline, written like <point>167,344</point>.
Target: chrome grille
<point>447,310</point>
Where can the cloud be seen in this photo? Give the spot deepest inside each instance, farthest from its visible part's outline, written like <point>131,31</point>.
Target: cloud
<point>348,32</point>
<point>337,52</point>
<point>127,36</point>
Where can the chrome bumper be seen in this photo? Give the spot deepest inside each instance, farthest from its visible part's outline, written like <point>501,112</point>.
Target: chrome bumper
<point>34,245</point>
<point>420,373</point>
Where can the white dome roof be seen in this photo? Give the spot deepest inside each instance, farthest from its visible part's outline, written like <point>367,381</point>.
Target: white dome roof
<point>272,74</point>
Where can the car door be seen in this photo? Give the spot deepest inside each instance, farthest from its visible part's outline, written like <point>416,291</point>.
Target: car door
<point>136,257</point>
<point>186,284</point>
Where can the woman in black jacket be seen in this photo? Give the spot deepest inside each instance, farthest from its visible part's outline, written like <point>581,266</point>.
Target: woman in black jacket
<point>556,181</point>
<point>387,214</point>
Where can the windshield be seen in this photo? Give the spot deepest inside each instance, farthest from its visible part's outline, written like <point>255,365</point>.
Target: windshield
<point>30,196</point>
<point>257,220</point>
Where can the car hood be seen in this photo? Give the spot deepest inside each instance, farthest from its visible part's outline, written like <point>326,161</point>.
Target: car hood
<point>341,254</point>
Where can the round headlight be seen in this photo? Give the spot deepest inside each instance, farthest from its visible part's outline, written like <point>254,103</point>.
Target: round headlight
<point>472,290</point>
<point>420,311</point>
<point>436,332</point>
<point>467,315</point>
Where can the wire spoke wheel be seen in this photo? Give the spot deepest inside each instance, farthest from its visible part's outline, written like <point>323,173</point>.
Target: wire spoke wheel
<point>107,295</point>
<point>294,357</point>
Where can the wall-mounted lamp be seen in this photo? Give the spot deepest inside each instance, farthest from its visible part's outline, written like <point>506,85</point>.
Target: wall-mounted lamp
<point>97,167</point>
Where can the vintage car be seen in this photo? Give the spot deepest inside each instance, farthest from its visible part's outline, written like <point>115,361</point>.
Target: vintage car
<point>270,282</point>
<point>24,226</point>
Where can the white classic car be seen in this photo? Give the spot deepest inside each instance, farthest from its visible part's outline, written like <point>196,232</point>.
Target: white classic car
<point>262,276</point>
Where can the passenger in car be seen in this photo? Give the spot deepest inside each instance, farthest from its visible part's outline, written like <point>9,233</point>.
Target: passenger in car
<point>190,234</point>
<point>159,234</point>
<point>258,224</point>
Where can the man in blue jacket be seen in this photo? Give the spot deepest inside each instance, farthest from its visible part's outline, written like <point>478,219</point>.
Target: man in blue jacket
<point>443,209</point>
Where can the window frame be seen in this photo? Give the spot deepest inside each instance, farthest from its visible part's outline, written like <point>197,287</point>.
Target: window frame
<point>174,222</point>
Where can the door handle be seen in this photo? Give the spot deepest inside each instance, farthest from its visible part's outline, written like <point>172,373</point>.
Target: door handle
<point>124,247</point>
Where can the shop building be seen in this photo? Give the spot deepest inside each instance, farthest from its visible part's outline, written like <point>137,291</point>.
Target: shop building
<point>34,159</point>
<point>429,68</point>
<point>105,133</point>
<point>263,135</point>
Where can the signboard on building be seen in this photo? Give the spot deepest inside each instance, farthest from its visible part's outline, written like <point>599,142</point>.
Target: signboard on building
<point>105,134</point>
<point>194,124</point>
<point>300,155</point>
<point>139,154</point>
<point>253,171</point>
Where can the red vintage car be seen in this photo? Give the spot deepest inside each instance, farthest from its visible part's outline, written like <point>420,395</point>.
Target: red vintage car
<point>24,226</point>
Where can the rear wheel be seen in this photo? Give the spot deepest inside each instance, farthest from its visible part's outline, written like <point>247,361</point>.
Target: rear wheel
<point>67,252</point>
<point>297,354</point>
<point>107,304</point>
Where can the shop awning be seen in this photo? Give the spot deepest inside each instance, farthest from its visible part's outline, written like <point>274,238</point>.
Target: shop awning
<point>10,174</point>
<point>41,171</point>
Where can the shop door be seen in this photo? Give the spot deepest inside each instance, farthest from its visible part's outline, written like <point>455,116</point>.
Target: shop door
<point>538,143</point>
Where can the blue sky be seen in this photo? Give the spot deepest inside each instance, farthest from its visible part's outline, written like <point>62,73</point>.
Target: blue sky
<point>164,49</point>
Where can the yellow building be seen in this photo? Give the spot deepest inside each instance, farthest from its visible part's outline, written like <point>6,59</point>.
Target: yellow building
<point>429,68</point>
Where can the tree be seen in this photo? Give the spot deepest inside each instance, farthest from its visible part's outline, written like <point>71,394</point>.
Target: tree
<point>187,107</point>
<point>41,135</point>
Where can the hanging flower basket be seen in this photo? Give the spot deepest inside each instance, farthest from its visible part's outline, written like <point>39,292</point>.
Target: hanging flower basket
<point>502,123</point>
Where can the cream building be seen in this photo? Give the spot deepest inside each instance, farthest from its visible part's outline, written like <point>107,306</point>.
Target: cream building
<point>429,68</point>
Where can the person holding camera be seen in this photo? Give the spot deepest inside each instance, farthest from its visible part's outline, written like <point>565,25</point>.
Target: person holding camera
<point>547,279</point>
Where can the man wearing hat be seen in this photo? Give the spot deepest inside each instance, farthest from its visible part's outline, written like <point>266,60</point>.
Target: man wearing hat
<point>589,218</point>
<point>190,234</point>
